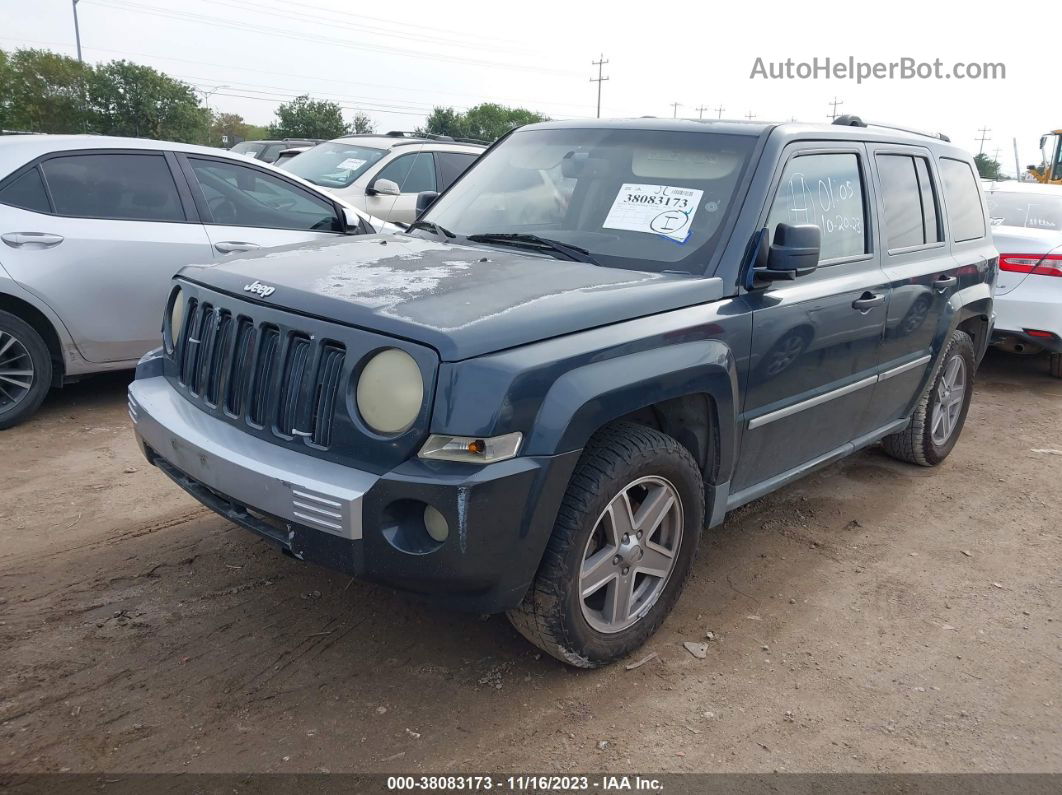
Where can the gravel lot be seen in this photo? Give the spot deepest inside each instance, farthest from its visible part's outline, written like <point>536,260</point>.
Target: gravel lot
<point>874,617</point>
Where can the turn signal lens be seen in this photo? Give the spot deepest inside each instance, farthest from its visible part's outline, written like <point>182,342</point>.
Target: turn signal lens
<point>471,449</point>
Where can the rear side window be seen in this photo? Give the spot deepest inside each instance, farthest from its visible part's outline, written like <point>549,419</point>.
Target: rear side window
<point>412,173</point>
<point>963,196</point>
<point>116,186</point>
<point>825,190</point>
<point>451,165</point>
<point>910,201</point>
<point>27,192</point>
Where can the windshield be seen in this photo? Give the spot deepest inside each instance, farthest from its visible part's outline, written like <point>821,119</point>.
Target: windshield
<point>251,148</point>
<point>640,199</point>
<point>1028,210</point>
<point>333,164</point>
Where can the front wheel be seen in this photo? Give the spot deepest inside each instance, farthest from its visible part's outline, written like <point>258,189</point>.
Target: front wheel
<point>941,411</point>
<point>625,539</point>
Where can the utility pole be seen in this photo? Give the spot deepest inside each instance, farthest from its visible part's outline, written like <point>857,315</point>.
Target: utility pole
<point>750,115</point>
<point>1017,162</point>
<point>674,109</point>
<point>208,94</point>
<point>984,137</point>
<point>700,111</point>
<point>719,109</point>
<point>833,113</point>
<point>599,80</point>
<point>77,31</point>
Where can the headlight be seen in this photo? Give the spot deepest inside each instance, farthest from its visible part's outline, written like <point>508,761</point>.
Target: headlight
<point>390,391</point>
<point>176,317</point>
<point>471,449</point>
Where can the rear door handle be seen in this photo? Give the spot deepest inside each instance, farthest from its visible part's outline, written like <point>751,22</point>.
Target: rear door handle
<point>231,246</point>
<point>42,239</point>
<point>942,283</point>
<point>868,301</point>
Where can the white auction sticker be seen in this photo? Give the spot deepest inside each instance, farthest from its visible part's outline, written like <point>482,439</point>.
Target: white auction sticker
<point>351,164</point>
<point>657,209</point>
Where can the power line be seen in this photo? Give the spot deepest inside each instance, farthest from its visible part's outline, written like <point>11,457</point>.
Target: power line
<point>599,80</point>
<point>832,115</point>
<point>750,115</point>
<point>984,137</point>
<point>700,111</point>
<point>186,16</point>
<point>719,110</point>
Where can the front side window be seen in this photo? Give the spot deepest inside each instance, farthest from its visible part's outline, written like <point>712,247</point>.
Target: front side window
<point>334,164</point>
<point>910,202</point>
<point>451,165</point>
<point>239,195</point>
<point>412,173</point>
<point>128,187</point>
<point>27,192</point>
<point>962,192</point>
<point>825,190</point>
<point>639,199</point>
<point>1027,210</point>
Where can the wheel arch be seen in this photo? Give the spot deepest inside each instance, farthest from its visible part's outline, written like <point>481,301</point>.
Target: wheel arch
<point>43,325</point>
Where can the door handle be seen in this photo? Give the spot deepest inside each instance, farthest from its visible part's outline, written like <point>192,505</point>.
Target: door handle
<point>868,301</point>
<point>231,246</point>
<point>42,239</point>
<point>942,283</point>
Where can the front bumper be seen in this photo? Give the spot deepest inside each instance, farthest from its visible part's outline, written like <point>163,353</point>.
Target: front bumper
<point>367,525</point>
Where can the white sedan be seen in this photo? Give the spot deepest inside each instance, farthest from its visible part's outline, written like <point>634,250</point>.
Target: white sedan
<point>1027,230</point>
<point>93,228</point>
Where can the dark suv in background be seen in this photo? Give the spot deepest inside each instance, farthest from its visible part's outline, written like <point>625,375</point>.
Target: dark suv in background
<point>603,337</point>
<point>269,151</point>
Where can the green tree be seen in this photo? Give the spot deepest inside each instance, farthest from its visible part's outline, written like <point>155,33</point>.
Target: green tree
<point>361,124</point>
<point>308,118</point>
<point>42,91</point>
<point>487,121</point>
<point>130,99</point>
<point>987,167</point>
<point>230,126</point>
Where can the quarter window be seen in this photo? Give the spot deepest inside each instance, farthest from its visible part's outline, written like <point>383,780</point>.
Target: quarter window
<point>129,187</point>
<point>963,195</point>
<point>27,192</point>
<point>451,166</point>
<point>239,195</point>
<point>910,201</point>
<point>825,190</point>
<point>412,173</point>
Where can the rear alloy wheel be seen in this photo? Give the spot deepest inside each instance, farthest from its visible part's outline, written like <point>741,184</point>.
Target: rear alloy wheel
<point>941,411</point>
<point>621,550</point>
<point>25,370</point>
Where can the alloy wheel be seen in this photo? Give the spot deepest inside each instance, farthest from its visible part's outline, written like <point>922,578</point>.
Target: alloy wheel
<point>16,371</point>
<point>950,393</point>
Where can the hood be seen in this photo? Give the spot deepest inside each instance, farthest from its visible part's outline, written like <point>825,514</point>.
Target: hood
<point>462,300</point>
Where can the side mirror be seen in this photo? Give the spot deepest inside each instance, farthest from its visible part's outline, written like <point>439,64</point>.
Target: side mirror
<point>425,199</point>
<point>794,252</point>
<point>352,222</point>
<point>384,187</point>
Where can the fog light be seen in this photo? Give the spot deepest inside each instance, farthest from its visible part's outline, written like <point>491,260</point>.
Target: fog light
<point>435,524</point>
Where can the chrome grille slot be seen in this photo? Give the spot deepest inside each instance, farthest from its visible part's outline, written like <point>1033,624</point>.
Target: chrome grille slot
<point>326,388</point>
<point>189,343</point>
<point>265,365</point>
<point>240,376</point>
<point>291,385</point>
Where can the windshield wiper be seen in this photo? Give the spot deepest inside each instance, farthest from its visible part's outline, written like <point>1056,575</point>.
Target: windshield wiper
<point>431,226</point>
<point>566,250</point>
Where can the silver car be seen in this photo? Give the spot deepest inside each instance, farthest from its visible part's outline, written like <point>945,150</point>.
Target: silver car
<point>93,228</point>
<point>384,174</point>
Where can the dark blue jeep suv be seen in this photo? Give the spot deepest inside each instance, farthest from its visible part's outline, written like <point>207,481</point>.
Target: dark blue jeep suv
<point>599,340</point>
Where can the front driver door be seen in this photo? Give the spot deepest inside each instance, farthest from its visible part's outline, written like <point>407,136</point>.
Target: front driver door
<point>413,173</point>
<point>245,208</point>
<point>816,340</point>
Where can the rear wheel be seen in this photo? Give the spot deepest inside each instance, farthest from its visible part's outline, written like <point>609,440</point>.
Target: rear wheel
<point>1055,363</point>
<point>25,370</point>
<point>624,541</point>
<point>941,411</point>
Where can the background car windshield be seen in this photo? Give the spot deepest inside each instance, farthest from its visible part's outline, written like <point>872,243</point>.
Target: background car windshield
<point>1029,210</point>
<point>640,199</point>
<point>251,148</point>
<point>333,165</point>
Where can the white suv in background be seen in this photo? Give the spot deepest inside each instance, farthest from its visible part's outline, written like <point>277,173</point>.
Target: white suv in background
<point>1027,230</point>
<point>93,229</point>
<point>383,174</point>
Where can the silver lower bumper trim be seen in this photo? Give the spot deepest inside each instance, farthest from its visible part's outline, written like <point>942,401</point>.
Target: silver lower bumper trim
<point>303,489</point>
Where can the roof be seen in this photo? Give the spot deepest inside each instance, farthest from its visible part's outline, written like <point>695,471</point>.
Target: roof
<point>391,141</point>
<point>21,148</point>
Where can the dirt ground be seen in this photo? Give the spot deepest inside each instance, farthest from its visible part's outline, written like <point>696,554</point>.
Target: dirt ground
<point>873,617</point>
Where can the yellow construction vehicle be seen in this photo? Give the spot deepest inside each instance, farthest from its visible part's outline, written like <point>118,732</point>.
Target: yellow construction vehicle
<point>1051,170</point>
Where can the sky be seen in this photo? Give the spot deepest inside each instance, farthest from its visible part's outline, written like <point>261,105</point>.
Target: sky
<point>395,61</point>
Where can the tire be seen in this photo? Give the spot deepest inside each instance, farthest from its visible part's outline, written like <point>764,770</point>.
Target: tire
<point>925,441</point>
<point>650,468</point>
<point>25,370</point>
<point>1054,363</point>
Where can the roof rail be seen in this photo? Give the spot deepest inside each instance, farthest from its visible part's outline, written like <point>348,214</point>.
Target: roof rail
<point>850,120</point>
